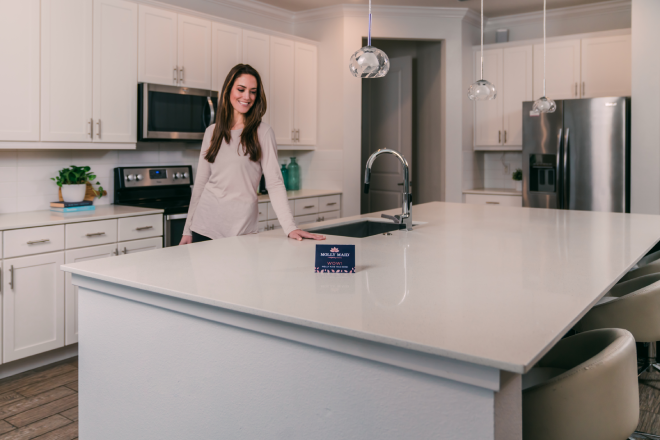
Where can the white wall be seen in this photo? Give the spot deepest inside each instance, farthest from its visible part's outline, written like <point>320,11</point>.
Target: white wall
<point>645,151</point>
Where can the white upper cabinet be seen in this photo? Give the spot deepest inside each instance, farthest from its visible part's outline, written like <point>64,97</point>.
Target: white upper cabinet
<point>157,42</point>
<point>282,93</point>
<point>227,51</point>
<point>516,88</point>
<point>606,66</point>
<point>19,75</point>
<point>194,52</point>
<point>115,71</point>
<point>562,70</point>
<point>256,53</point>
<point>488,114</point>
<point>306,92</point>
<point>66,70</point>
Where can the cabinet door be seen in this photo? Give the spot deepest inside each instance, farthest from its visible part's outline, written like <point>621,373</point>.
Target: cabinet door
<point>606,66</point>
<point>562,70</point>
<point>256,53</point>
<point>227,51</point>
<point>32,305</point>
<point>19,32</point>
<point>147,244</point>
<point>282,93</point>
<point>194,52</point>
<point>488,114</point>
<point>115,71</point>
<point>516,88</point>
<point>306,92</point>
<point>71,291</point>
<point>157,42</point>
<point>66,70</point>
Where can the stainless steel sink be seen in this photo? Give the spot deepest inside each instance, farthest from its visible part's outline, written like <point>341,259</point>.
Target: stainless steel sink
<point>358,229</point>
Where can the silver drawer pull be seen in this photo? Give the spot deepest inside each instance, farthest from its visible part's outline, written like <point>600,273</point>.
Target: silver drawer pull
<point>310,206</point>
<point>492,203</point>
<point>11,279</point>
<point>95,234</point>
<point>45,240</point>
<point>330,204</point>
<point>125,251</point>
<point>144,228</point>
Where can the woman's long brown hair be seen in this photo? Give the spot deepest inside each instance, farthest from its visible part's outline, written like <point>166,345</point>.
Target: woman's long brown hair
<point>224,122</point>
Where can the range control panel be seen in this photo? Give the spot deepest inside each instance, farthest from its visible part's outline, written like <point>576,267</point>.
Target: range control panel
<point>136,177</point>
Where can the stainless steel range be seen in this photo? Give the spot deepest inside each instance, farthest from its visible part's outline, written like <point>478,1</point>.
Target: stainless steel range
<point>159,187</point>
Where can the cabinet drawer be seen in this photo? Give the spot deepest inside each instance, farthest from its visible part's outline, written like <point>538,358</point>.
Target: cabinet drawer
<point>329,203</point>
<point>90,233</point>
<point>133,228</point>
<point>304,219</point>
<point>132,247</point>
<point>486,199</point>
<point>271,211</point>
<point>306,206</point>
<point>263,212</point>
<point>30,241</point>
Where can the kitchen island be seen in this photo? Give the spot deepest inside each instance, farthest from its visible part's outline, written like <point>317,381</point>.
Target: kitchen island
<point>240,339</point>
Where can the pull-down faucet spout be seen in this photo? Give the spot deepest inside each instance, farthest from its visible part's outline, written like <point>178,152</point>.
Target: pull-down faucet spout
<point>406,215</point>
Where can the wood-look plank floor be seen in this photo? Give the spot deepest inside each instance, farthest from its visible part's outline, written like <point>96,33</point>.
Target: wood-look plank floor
<point>41,404</point>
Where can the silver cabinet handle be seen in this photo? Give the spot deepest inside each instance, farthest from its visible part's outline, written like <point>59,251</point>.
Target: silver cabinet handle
<point>323,218</point>
<point>176,75</point>
<point>583,89</point>
<point>116,252</point>
<point>11,277</point>
<point>492,203</point>
<point>293,134</point>
<point>95,234</point>
<point>45,240</point>
<point>576,90</point>
<point>307,207</point>
<point>298,135</point>
<point>143,228</point>
<point>91,128</point>
<point>333,203</point>
<point>124,251</point>
<point>99,132</point>
<point>499,136</point>
<point>181,79</point>
<point>505,136</point>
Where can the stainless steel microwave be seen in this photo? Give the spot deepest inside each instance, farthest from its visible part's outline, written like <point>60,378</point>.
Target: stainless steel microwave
<point>174,113</point>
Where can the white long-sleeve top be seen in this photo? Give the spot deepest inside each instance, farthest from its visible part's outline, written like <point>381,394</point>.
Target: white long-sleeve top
<point>224,198</point>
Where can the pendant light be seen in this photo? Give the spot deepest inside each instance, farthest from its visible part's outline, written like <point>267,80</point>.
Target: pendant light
<point>543,104</point>
<point>482,90</point>
<point>369,62</point>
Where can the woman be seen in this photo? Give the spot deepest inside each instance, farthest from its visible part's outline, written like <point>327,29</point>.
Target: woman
<point>235,153</point>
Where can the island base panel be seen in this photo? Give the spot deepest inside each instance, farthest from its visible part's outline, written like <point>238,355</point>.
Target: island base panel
<point>151,373</point>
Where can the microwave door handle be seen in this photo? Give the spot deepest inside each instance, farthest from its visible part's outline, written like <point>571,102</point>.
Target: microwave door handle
<point>560,187</point>
<point>565,171</point>
<point>212,119</point>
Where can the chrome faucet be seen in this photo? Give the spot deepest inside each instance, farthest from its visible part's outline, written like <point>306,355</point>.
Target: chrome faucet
<point>406,215</point>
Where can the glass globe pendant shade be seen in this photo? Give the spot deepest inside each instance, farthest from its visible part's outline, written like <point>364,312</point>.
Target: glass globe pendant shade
<point>369,62</point>
<point>482,90</point>
<point>544,105</point>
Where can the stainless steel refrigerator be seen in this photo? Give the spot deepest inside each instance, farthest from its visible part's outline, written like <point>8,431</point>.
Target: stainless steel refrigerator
<point>579,156</point>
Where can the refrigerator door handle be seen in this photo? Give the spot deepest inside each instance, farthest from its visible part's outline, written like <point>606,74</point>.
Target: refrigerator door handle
<point>560,187</point>
<point>565,171</point>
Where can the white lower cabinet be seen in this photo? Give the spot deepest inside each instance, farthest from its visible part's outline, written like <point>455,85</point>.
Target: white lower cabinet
<point>32,305</point>
<point>147,244</point>
<point>71,291</point>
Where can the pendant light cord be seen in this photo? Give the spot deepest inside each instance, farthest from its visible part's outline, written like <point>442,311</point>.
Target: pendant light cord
<point>369,39</point>
<point>543,48</point>
<point>482,39</point>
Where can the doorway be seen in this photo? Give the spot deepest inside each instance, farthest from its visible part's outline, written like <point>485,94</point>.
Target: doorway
<point>401,111</point>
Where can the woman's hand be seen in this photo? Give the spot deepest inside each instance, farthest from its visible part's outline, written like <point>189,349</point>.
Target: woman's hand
<point>186,239</point>
<point>299,235</point>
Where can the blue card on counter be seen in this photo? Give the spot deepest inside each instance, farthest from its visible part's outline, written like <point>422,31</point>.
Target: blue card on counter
<point>335,258</point>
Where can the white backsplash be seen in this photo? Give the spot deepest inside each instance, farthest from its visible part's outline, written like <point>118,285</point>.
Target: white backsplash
<point>25,183</point>
<point>497,174</point>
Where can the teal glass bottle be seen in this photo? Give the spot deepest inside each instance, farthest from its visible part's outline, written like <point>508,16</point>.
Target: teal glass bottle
<point>285,176</point>
<point>294,175</point>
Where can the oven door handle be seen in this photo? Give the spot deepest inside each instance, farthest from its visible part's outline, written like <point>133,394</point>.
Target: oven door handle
<point>176,216</point>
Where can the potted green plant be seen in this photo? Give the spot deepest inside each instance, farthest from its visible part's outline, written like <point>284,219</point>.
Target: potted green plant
<point>517,177</point>
<point>73,183</point>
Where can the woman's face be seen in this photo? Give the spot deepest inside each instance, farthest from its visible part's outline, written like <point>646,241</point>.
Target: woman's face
<point>243,93</point>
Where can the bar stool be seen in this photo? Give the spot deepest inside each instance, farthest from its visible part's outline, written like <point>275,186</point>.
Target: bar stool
<point>648,265</point>
<point>633,305</point>
<point>585,388</point>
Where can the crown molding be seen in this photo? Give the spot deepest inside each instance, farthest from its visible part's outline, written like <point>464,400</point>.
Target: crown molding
<point>258,8</point>
<point>607,7</point>
<point>348,10</point>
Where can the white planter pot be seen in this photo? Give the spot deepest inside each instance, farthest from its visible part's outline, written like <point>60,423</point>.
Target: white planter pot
<point>74,193</point>
<point>518,185</point>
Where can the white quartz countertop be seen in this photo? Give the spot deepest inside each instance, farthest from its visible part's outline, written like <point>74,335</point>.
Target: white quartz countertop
<point>494,191</point>
<point>31,219</point>
<point>491,285</point>
<point>302,194</point>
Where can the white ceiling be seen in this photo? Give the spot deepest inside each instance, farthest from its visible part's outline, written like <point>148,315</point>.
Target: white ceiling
<point>492,8</point>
